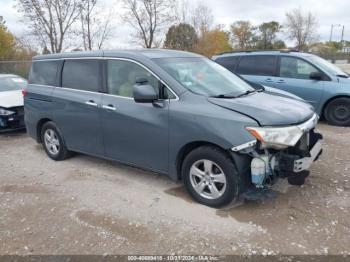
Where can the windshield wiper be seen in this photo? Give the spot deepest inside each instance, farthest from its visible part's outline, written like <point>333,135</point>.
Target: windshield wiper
<point>249,92</point>
<point>227,96</point>
<point>224,96</point>
<point>343,76</point>
<point>258,87</point>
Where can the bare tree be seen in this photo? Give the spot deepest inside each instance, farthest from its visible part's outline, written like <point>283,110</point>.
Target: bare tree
<point>148,18</point>
<point>182,12</point>
<point>95,26</point>
<point>50,20</point>
<point>301,27</point>
<point>202,18</point>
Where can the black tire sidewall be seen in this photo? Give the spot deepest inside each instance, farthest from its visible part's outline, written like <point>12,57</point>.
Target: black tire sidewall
<point>329,115</point>
<point>223,160</point>
<point>63,150</point>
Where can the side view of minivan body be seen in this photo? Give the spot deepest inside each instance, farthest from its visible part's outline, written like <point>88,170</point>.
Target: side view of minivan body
<point>308,76</point>
<point>172,112</point>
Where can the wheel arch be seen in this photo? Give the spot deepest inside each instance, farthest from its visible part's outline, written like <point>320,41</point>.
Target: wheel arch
<point>39,127</point>
<point>189,147</point>
<point>330,100</point>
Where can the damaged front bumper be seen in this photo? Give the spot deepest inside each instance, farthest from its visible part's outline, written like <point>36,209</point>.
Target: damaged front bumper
<point>305,163</point>
<point>300,158</point>
<point>12,122</point>
<point>268,164</point>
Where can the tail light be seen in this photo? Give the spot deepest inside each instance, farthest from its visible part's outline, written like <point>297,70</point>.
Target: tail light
<point>24,92</point>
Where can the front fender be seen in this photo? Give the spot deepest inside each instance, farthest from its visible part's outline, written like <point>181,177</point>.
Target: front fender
<point>204,122</point>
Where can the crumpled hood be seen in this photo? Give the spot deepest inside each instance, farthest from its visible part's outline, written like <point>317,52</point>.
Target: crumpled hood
<point>268,109</point>
<point>11,99</point>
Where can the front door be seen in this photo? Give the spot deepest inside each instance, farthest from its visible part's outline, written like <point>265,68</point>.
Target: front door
<point>134,133</point>
<point>294,77</point>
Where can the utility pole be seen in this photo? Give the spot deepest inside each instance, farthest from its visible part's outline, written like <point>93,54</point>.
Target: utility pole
<point>330,37</point>
<point>342,38</point>
<point>332,26</point>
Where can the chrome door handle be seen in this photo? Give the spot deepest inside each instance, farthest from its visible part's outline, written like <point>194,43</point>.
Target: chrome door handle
<point>109,107</point>
<point>280,81</point>
<point>268,80</point>
<point>91,103</point>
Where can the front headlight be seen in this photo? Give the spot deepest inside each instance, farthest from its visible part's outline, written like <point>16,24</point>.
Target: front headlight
<point>277,136</point>
<point>5,112</point>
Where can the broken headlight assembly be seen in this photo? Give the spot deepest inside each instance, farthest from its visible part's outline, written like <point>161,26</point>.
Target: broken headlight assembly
<point>276,137</point>
<point>5,112</point>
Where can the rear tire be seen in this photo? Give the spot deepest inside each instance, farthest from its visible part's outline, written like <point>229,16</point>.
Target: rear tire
<point>53,142</point>
<point>337,112</point>
<point>210,176</point>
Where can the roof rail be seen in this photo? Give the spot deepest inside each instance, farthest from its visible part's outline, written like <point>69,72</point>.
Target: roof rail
<point>261,50</point>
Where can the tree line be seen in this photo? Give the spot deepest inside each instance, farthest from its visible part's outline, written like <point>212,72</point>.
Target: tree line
<point>59,25</point>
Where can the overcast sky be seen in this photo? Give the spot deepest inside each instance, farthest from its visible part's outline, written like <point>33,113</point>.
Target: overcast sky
<point>225,12</point>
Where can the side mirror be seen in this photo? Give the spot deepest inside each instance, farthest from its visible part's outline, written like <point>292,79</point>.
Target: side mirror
<point>316,76</point>
<point>144,93</point>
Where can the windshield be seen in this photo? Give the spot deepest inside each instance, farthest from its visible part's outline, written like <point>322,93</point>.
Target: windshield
<point>203,76</point>
<point>12,83</point>
<point>327,65</point>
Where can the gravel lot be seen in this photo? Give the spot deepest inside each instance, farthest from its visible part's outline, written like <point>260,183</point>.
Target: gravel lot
<point>86,205</point>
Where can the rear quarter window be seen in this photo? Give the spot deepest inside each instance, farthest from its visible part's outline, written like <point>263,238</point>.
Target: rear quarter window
<point>228,62</point>
<point>262,65</point>
<point>44,73</point>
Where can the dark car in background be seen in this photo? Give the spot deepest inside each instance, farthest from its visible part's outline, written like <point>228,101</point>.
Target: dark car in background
<point>317,81</point>
<point>175,113</point>
<point>11,102</point>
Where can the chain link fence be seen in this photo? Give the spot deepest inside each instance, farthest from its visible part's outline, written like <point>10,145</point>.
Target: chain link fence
<point>333,57</point>
<point>20,68</point>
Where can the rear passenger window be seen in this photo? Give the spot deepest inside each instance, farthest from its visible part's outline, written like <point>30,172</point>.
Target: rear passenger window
<point>81,75</point>
<point>43,72</point>
<point>228,62</point>
<point>263,65</point>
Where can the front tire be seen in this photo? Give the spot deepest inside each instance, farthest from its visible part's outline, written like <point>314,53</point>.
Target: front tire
<point>337,112</point>
<point>210,176</point>
<point>53,142</point>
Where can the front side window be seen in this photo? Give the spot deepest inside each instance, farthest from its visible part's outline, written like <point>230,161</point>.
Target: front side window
<point>12,83</point>
<point>43,72</point>
<point>81,75</point>
<point>292,67</point>
<point>203,76</point>
<point>262,65</point>
<point>329,67</point>
<point>123,75</point>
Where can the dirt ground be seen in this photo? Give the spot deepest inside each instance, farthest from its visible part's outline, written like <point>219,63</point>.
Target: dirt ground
<point>86,205</point>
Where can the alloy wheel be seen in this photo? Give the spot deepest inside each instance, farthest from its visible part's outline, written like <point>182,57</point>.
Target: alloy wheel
<point>208,179</point>
<point>52,142</point>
